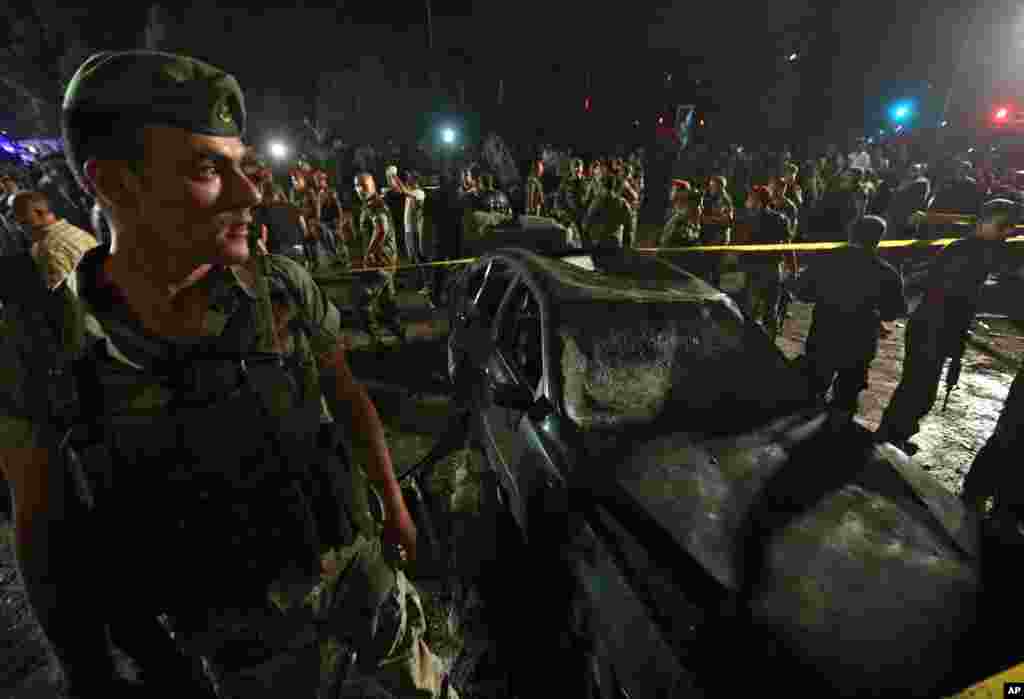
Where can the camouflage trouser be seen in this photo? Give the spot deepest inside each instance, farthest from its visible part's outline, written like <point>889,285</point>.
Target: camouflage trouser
<point>376,303</point>
<point>362,602</point>
<point>630,229</point>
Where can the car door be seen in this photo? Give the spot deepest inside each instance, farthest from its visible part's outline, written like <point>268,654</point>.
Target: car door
<point>478,296</point>
<point>517,363</point>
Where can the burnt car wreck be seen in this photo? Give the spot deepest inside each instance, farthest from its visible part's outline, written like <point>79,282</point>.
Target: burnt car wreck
<point>674,508</point>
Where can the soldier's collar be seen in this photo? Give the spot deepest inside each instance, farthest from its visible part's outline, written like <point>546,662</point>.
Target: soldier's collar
<point>98,289</point>
<point>240,277</point>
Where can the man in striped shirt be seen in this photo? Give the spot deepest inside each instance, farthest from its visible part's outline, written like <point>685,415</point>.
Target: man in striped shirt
<point>57,246</point>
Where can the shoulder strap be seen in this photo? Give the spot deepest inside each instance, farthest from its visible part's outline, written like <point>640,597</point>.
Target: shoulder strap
<point>271,270</point>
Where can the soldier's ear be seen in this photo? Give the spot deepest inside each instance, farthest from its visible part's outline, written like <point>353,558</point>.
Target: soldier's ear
<point>114,182</point>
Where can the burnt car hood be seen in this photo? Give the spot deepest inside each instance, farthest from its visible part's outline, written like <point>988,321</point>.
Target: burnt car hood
<point>690,362</point>
<point>860,562</point>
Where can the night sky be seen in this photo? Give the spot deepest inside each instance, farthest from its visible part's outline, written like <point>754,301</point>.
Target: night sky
<point>856,58</point>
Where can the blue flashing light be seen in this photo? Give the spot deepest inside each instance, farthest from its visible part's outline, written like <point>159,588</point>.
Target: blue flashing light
<point>901,111</point>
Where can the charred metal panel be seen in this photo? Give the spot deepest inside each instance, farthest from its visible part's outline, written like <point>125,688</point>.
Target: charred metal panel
<point>489,231</point>
<point>863,585</point>
<point>690,366</point>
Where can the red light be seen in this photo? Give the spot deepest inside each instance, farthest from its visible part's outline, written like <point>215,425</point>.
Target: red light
<point>661,120</point>
<point>586,104</point>
<point>1002,113</point>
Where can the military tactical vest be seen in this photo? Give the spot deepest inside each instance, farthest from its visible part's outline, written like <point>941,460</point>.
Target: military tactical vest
<point>219,490</point>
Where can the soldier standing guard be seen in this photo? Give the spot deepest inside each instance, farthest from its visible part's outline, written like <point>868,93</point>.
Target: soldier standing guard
<point>631,195</point>
<point>717,216</point>
<point>683,226</point>
<point>607,217</point>
<point>763,271</point>
<point>125,395</point>
<point>852,290</point>
<point>534,204</point>
<point>375,293</point>
<point>938,327</point>
<point>572,197</point>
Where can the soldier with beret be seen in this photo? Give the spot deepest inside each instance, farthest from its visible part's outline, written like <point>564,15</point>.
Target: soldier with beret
<point>939,324</point>
<point>161,428</point>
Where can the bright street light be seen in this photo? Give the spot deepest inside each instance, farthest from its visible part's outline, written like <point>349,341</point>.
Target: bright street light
<point>448,136</point>
<point>793,56</point>
<point>278,150</point>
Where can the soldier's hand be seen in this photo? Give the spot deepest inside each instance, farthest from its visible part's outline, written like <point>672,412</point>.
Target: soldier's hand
<point>400,532</point>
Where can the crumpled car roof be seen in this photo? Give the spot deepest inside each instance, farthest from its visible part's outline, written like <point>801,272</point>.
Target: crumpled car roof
<point>620,276</point>
<point>643,343</point>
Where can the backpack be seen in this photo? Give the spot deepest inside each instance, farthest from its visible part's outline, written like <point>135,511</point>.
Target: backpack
<point>270,495</point>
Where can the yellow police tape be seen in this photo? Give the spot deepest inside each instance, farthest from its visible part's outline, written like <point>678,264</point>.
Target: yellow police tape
<point>933,218</point>
<point>993,687</point>
<point>814,247</point>
<point>779,247</point>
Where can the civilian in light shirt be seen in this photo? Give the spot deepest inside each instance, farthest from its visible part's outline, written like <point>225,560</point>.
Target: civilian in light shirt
<point>57,246</point>
<point>860,158</point>
<point>415,200</point>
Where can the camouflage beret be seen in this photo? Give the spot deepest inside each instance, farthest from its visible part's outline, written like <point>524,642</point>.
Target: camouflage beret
<point>153,88</point>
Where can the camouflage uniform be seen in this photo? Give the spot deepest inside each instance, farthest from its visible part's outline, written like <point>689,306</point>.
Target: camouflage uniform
<point>294,601</point>
<point>595,188</point>
<point>378,289</point>
<point>572,202</point>
<point>627,179</point>
<point>762,291</point>
<point>207,516</point>
<point>681,230</point>
<point>534,204</point>
<point>607,218</point>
